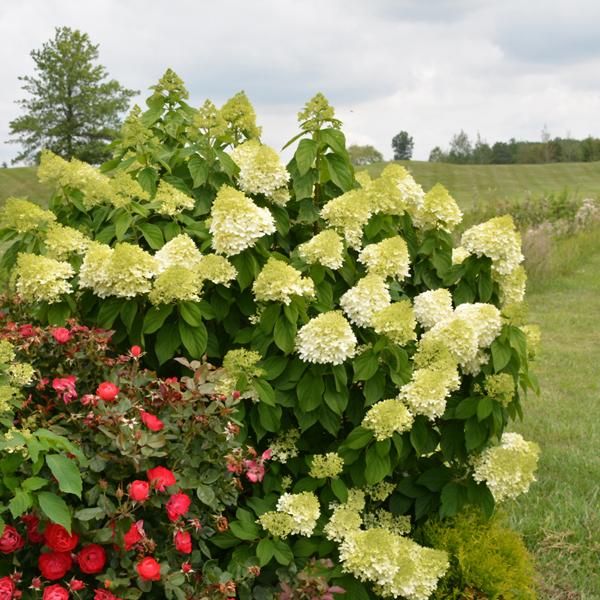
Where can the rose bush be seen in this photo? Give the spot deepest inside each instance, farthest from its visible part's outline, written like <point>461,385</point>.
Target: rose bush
<point>375,367</point>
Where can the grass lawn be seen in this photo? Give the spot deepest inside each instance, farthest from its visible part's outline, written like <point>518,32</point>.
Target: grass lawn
<point>474,184</point>
<point>22,182</point>
<point>560,517</point>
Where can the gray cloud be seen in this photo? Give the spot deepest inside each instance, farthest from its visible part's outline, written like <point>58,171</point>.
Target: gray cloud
<point>430,67</point>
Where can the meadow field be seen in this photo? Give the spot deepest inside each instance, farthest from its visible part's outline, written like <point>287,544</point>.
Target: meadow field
<point>560,517</point>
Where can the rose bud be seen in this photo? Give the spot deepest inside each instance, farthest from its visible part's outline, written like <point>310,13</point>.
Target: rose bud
<point>107,391</point>
<point>183,542</point>
<point>91,559</point>
<point>148,569</point>
<point>136,351</point>
<point>151,421</point>
<point>76,584</point>
<point>139,491</point>
<point>61,334</point>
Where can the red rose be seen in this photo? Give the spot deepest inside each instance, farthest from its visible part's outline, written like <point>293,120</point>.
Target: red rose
<point>148,569</point>
<point>54,565</point>
<point>76,584</point>
<point>186,567</point>
<point>139,490</point>
<point>183,542</point>
<point>178,505</point>
<point>107,391</point>
<point>11,540</point>
<point>7,588</point>
<point>59,539</point>
<point>32,523</point>
<point>134,535</point>
<point>65,387</point>
<point>61,335</point>
<point>26,330</point>
<point>152,422</point>
<point>161,478</point>
<point>136,351</point>
<point>104,595</point>
<point>91,559</point>
<point>55,592</point>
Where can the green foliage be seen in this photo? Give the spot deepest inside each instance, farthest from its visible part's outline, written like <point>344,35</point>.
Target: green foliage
<point>321,400</point>
<point>364,155</point>
<point>488,560</point>
<point>72,109</point>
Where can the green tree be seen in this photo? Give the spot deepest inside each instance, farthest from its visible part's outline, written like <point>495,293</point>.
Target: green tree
<point>460,148</point>
<point>482,153</point>
<point>437,155</point>
<point>402,144</point>
<point>72,108</point>
<point>364,155</point>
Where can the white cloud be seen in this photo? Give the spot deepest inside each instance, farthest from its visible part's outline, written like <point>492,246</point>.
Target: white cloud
<point>432,68</point>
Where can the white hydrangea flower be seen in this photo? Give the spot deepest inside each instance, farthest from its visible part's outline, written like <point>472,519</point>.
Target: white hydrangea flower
<point>304,509</point>
<point>180,251</point>
<point>508,469</point>
<point>438,211</point>
<point>326,339</point>
<point>326,248</point>
<point>362,301</point>
<point>237,223</point>
<point>432,307</point>
<point>388,258</point>
<point>485,318</point>
<point>458,335</point>
<point>279,281</point>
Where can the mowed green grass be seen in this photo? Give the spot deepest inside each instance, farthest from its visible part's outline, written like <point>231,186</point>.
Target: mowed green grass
<point>560,517</point>
<point>23,183</point>
<point>472,185</point>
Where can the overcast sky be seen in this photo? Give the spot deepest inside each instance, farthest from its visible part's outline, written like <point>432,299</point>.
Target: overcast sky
<point>503,68</point>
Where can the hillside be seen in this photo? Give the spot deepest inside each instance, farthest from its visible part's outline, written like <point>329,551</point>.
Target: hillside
<point>22,181</point>
<point>469,184</point>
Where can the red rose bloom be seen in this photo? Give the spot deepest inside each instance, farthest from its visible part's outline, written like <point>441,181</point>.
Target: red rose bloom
<point>148,569</point>
<point>183,542</point>
<point>32,523</point>
<point>61,335</point>
<point>152,422</point>
<point>26,330</point>
<point>76,584</point>
<point>91,559</point>
<point>178,505</point>
<point>7,588</point>
<point>59,539</point>
<point>104,595</point>
<point>107,391</point>
<point>55,592</point>
<point>136,351</point>
<point>11,540</point>
<point>139,490</point>
<point>54,565</point>
<point>134,535</point>
<point>161,478</point>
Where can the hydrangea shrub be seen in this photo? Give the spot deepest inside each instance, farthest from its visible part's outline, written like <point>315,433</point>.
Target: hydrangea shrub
<point>378,364</point>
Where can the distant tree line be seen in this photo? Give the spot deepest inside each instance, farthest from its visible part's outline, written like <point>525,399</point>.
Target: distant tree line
<point>548,150</point>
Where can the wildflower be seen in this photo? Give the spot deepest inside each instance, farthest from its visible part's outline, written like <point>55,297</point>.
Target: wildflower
<point>367,297</point>
<point>23,216</point>
<point>279,281</point>
<point>172,201</point>
<point>326,339</point>
<point>42,279</point>
<point>508,468</point>
<point>396,321</point>
<point>386,418</point>
<point>261,170</point>
<point>236,222</point>
<point>326,248</point>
